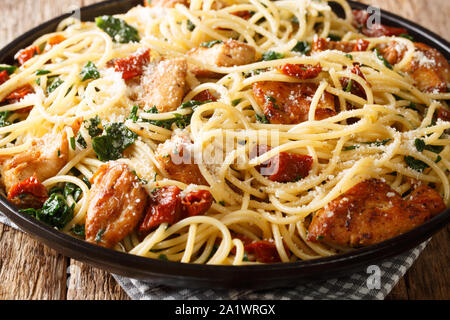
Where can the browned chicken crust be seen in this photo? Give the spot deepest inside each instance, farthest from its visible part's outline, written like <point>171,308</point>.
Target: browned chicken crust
<point>372,212</point>
<point>165,3</point>
<point>164,84</point>
<point>289,103</point>
<point>228,54</point>
<point>116,205</point>
<point>176,158</point>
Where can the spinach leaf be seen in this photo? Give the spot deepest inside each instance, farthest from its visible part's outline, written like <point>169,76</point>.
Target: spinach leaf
<point>302,47</point>
<point>55,211</point>
<point>182,121</point>
<point>415,164</point>
<point>117,29</point>
<point>81,141</point>
<point>133,115</point>
<point>111,145</point>
<point>89,71</point>
<point>73,190</point>
<point>92,125</point>
<point>262,119</point>
<point>190,25</point>
<point>421,145</point>
<point>42,72</point>
<point>334,37</point>
<point>272,55</point>
<point>380,56</point>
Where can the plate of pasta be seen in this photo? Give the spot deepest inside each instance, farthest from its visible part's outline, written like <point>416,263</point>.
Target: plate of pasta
<point>229,143</point>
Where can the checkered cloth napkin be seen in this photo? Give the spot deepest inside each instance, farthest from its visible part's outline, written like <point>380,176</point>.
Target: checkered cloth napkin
<point>353,287</point>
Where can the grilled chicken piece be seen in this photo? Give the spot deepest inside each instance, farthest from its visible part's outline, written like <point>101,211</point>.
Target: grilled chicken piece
<point>429,68</point>
<point>288,103</point>
<point>116,205</point>
<point>372,212</point>
<point>321,44</point>
<point>164,84</point>
<point>176,158</point>
<point>165,3</point>
<point>45,158</point>
<point>228,54</point>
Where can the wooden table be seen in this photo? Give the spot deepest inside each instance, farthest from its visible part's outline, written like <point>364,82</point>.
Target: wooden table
<point>29,270</point>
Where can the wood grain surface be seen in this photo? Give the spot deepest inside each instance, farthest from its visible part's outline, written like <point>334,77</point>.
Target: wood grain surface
<point>30,270</point>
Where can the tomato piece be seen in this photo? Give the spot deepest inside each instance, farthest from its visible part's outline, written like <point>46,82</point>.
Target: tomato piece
<point>361,45</point>
<point>26,54</point>
<point>286,167</point>
<point>443,114</point>
<point>245,14</point>
<point>301,71</point>
<point>18,95</point>
<point>30,187</point>
<point>264,251</point>
<point>197,203</point>
<point>165,207</point>
<point>355,88</point>
<point>56,40</point>
<point>132,66</point>
<point>4,76</point>
<point>205,96</point>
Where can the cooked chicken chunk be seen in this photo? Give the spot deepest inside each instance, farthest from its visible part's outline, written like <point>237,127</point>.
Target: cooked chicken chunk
<point>164,84</point>
<point>288,103</point>
<point>116,205</point>
<point>44,159</point>
<point>372,212</point>
<point>321,44</point>
<point>176,158</point>
<point>428,68</point>
<point>228,54</point>
<point>165,3</point>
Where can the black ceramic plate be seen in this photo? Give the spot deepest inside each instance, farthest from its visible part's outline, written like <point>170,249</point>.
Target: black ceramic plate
<point>188,275</point>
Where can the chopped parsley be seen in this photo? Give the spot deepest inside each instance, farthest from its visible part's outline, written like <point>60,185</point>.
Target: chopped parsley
<point>262,119</point>
<point>380,56</point>
<point>272,55</point>
<point>53,84</point>
<point>79,230</point>
<point>98,237</point>
<point>117,29</point>
<point>4,115</point>
<point>89,72</point>
<point>116,139</point>
<point>348,55</point>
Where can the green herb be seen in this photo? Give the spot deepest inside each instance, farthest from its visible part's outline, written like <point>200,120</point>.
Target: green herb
<point>81,141</point>
<point>348,148</point>
<point>143,181</point>
<point>111,145</point>
<point>380,56</point>
<point>253,73</point>
<point>439,158</point>
<point>92,125</point>
<point>415,164</point>
<point>262,119</point>
<point>210,44</point>
<point>79,230</point>
<point>245,258</point>
<point>42,72</point>
<point>236,102</point>
<point>302,47</point>
<point>38,81</point>
<point>118,29</point>
<point>348,55</point>
<point>53,84</point>
<point>8,68</point>
<point>99,235</point>
<point>87,182</point>
<point>349,86</point>
<point>193,104</point>
<point>294,20</point>
<point>378,143</point>
<point>222,203</point>
<point>407,36</point>
<point>55,211</point>
<point>412,106</point>
<point>190,25</point>
<point>272,100</point>
<point>182,121</point>
<point>89,71</point>
<point>133,115</point>
<point>71,189</point>
<point>163,257</point>
<point>4,115</point>
<point>272,55</point>
<point>334,37</point>
<point>72,143</point>
<point>319,238</point>
<point>421,145</point>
